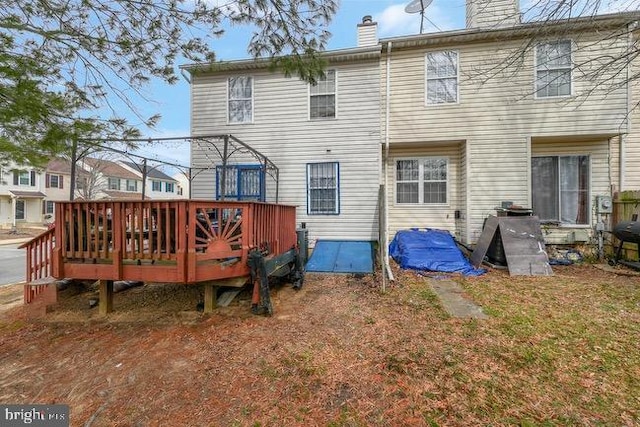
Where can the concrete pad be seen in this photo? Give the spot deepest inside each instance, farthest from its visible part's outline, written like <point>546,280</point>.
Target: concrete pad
<point>454,301</point>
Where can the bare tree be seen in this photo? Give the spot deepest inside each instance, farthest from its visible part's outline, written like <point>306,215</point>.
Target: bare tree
<point>72,69</point>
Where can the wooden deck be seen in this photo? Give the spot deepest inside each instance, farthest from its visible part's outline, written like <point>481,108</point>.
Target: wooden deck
<point>178,241</point>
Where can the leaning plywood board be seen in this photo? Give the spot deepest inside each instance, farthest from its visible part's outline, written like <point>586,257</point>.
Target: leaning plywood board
<point>522,243</point>
<point>490,227</point>
<point>524,246</point>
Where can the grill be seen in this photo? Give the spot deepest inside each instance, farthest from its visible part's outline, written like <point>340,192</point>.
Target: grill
<point>627,232</point>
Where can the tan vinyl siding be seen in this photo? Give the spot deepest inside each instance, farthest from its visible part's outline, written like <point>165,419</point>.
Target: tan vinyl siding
<point>498,116</point>
<point>402,216</point>
<point>282,131</point>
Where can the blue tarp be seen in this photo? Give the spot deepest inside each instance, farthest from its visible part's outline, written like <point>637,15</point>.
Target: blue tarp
<point>339,256</point>
<point>430,249</point>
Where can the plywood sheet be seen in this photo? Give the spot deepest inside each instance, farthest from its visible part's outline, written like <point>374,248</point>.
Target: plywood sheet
<point>524,246</point>
<point>490,227</point>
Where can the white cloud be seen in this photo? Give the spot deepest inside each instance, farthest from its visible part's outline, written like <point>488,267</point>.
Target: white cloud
<point>394,21</point>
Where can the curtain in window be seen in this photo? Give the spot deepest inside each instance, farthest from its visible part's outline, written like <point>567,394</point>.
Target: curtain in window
<point>442,77</point>
<point>240,100</point>
<point>544,183</point>
<point>407,181</point>
<point>574,189</point>
<point>323,188</point>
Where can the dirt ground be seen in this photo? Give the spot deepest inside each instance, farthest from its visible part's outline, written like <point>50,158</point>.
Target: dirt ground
<point>20,233</point>
<point>338,352</point>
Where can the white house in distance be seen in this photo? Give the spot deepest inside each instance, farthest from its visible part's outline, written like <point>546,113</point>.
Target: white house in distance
<point>158,185</point>
<point>21,196</point>
<point>107,179</point>
<point>441,125</point>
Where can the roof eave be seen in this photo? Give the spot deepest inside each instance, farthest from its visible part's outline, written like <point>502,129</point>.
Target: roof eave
<point>526,29</point>
<point>332,56</point>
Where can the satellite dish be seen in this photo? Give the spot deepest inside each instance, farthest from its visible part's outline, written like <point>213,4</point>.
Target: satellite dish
<point>418,6</point>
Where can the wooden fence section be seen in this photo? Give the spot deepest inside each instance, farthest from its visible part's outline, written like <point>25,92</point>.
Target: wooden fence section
<point>625,205</point>
<point>183,241</point>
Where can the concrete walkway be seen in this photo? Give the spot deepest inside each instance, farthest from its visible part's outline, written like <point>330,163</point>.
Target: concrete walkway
<point>454,301</point>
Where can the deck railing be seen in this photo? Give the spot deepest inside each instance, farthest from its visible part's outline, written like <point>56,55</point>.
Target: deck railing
<point>185,241</point>
<point>39,263</point>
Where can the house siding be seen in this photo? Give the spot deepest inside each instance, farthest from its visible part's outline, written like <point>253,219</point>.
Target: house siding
<point>282,131</point>
<point>498,116</point>
<point>403,216</point>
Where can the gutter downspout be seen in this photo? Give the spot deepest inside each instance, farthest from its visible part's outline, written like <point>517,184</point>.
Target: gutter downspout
<point>621,181</point>
<point>386,165</point>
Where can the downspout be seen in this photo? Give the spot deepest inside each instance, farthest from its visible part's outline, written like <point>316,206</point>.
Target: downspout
<point>621,181</point>
<point>386,165</point>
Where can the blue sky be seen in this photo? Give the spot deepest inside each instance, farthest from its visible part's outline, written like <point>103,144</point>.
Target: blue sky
<point>172,101</point>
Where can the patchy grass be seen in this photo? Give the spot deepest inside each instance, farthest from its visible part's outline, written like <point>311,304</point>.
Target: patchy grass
<point>556,351</point>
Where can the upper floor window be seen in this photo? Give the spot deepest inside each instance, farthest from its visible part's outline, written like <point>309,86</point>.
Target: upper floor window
<point>132,185</point>
<point>54,181</point>
<point>560,188</point>
<point>421,181</point>
<point>240,102</point>
<point>24,178</point>
<point>156,186</point>
<point>442,77</point>
<point>553,69</point>
<point>114,184</point>
<point>169,187</point>
<point>323,189</point>
<point>322,97</point>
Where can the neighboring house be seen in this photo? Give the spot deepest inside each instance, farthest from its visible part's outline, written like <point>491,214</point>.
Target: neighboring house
<point>452,125</point>
<point>21,196</point>
<point>109,180</point>
<point>182,186</point>
<point>158,184</point>
<point>467,132</point>
<point>325,139</point>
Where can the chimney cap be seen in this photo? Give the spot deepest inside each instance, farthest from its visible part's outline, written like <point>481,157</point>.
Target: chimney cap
<point>367,20</point>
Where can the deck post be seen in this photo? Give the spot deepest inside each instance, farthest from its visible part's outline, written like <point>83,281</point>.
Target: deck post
<point>210,297</point>
<point>106,296</point>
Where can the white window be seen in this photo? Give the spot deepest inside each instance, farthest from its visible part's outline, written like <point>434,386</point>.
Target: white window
<point>422,181</point>
<point>322,97</point>
<point>132,185</point>
<point>560,189</point>
<point>24,178</point>
<point>54,181</point>
<point>49,207</point>
<point>442,77</point>
<point>169,187</point>
<point>156,186</point>
<point>323,189</point>
<point>553,69</point>
<point>114,184</point>
<point>240,100</point>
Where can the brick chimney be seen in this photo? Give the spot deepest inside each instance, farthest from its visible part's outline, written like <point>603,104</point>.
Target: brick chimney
<point>367,32</point>
<point>492,13</point>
